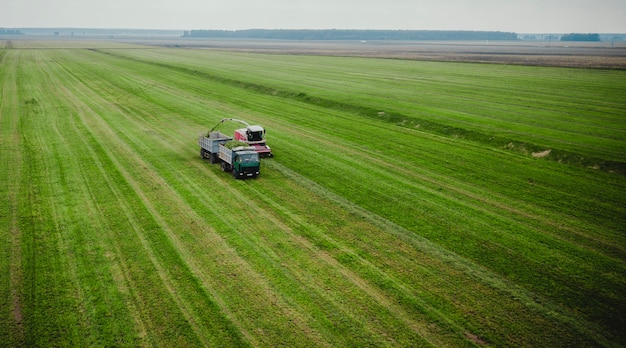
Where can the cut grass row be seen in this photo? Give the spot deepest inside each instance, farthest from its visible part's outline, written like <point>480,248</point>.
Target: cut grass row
<point>465,237</point>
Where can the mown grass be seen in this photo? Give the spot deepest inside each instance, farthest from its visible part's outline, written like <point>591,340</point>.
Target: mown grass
<point>359,232</point>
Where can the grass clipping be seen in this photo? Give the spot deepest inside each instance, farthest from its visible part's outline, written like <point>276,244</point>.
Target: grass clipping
<point>234,143</point>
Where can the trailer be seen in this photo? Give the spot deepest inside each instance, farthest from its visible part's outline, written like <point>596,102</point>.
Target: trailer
<point>241,161</point>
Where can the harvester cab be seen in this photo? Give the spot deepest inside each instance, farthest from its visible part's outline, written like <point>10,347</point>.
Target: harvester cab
<point>253,135</point>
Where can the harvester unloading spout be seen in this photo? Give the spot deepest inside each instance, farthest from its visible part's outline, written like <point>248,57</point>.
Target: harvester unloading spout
<point>253,135</point>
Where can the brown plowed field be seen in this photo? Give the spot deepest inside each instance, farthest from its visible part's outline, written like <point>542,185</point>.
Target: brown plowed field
<point>605,55</point>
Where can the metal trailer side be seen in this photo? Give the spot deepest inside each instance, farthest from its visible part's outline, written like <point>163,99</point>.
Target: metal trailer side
<point>210,145</point>
<point>226,154</point>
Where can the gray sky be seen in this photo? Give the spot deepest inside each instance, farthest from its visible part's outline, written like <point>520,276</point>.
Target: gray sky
<point>523,16</point>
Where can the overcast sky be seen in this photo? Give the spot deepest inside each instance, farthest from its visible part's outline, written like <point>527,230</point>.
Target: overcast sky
<point>523,16</point>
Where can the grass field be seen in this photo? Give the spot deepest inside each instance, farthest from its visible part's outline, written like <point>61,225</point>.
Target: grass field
<point>408,203</point>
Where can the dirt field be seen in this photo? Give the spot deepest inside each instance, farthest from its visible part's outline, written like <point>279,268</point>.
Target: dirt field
<point>605,55</point>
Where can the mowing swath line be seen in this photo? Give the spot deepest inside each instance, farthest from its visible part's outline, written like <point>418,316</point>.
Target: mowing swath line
<point>299,318</point>
<point>274,258</point>
<point>423,329</point>
<point>86,145</point>
<point>108,133</point>
<point>543,306</point>
<point>57,179</point>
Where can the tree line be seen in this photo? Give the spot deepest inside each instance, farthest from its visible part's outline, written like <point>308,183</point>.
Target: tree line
<point>10,32</point>
<point>580,37</point>
<point>341,34</point>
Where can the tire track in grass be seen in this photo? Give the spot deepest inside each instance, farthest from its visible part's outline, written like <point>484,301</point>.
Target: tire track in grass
<point>77,135</point>
<point>98,244</point>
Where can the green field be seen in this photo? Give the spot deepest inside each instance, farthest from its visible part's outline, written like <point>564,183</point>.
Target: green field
<point>408,203</point>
